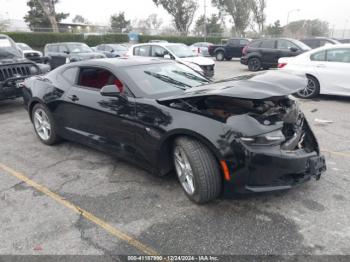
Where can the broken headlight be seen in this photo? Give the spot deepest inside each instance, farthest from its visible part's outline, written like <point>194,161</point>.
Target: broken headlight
<point>269,139</point>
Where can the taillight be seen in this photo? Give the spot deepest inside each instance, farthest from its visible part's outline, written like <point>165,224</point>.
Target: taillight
<point>281,65</point>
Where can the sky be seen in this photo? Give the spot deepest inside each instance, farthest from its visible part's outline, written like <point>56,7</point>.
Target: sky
<point>336,12</point>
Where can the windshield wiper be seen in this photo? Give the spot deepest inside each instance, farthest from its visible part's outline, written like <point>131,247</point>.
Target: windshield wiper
<point>191,76</point>
<point>169,80</point>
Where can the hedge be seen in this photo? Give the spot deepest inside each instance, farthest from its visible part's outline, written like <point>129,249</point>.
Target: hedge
<point>38,40</point>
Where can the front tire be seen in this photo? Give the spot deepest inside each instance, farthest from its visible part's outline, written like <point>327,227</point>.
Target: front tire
<point>44,125</point>
<point>311,90</point>
<point>220,56</point>
<point>254,64</point>
<point>197,169</point>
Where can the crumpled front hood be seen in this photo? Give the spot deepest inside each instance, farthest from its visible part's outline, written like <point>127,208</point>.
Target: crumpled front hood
<point>259,86</point>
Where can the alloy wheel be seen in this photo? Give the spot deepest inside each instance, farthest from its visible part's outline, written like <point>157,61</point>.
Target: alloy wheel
<point>254,64</point>
<point>309,90</point>
<point>184,170</point>
<point>42,124</point>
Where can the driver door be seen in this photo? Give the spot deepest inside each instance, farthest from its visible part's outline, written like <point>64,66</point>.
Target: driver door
<point>99,121</point>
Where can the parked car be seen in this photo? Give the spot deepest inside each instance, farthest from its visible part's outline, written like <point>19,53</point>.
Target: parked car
<point>112,50</point>
<point>66,52</point>
<point>233,48</point>
<point>14,68</point>
<point>33,55</point>
<point>315,42</point>
<point>327,69</point>
<point>264,53</point>
<point>243,135</point>
<point>201,48</point>
<point>178,52</point>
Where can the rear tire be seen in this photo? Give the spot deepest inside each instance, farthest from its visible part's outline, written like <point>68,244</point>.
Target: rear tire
<point>254,64</point>
<point>220,56</point>
<point>311,90</point>
<point>228,58</point>
<point>195,163</point>
<point>44,125</point>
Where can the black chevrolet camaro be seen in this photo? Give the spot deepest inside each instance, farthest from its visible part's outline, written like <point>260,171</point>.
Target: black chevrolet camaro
<point>236,136</point>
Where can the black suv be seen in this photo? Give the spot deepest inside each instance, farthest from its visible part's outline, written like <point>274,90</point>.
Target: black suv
<point>233,48</point>
<point>66,52</point>
<point>14,68</point>
<point>264,53</point>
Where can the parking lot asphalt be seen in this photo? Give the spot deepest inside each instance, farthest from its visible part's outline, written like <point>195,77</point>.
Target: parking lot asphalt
<point>44,192</point>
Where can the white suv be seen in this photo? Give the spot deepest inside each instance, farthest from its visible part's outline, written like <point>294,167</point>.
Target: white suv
<point>179,52</point>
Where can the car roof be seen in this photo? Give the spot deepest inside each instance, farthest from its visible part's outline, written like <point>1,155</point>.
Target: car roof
<point>122,62</point>
<point>65,43</point>
<point>159,44</point>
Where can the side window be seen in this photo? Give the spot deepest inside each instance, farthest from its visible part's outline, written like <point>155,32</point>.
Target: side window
<point>255,44</point>
<point>101,47</point>
<point>70,75</point>
<point>285,44</point>
<point>319,56</point>
<point>338,55</point>
<point>233,42</point>
<point>142,50</point>
<point>95,78</point>
<point>158,51</point>
<point>243,42</point>
<point>62,49</point>
<point>52,48</point>
<point>108,48</point>
<point>270,44</point>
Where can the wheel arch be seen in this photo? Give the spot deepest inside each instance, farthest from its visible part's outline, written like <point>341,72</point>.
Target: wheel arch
<point>31,106</point>
<point>165,164</point>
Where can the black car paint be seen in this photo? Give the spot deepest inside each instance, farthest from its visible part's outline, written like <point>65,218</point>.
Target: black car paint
<point>141,129</point>
<point>269,56</point>
<point>232,49</point>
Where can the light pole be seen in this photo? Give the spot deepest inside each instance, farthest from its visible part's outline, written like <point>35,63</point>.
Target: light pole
<point>291,11</point>
<point>205,21</point>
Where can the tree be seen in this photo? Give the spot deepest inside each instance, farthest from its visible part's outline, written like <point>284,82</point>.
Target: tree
<point>304,28</point>
<point>153,22</point>
<point>182,12</point>
<point>213,25</point>
<point>42,14</point>
<point>119,22</point>
<point>239,10</point>
<point>275,30</point>
<point>4,24</point>
<point>258,11</point>
<point>80,20</point>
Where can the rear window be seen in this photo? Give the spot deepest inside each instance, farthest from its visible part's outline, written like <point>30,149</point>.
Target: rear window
<point>243,42</point>
<point>52,48</point>
<point>268,44</point>
<point>319,56</point>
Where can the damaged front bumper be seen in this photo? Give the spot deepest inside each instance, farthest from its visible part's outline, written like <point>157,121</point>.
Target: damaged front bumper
<point>273,170</point>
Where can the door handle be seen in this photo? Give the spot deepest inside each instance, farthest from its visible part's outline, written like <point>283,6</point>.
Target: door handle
<point>321,66</point>
<point>74,98</point>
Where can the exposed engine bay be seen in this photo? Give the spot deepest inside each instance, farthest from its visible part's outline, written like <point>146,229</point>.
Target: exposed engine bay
<point>262,115</point>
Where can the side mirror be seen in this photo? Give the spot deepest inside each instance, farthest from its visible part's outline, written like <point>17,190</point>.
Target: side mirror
<point>66,52</point>
<point>167,56</point>
<point>293,49</point>
<point>110,90</point>
<point>112,51</point>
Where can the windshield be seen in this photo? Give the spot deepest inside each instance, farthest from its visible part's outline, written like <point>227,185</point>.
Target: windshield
<point>24,46</point>
<point>181,51</point>
<point>302,45</point>
<point>120,48</point>
<point>8,49</point>
<point>162,78</point>
<point>79,48</point>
